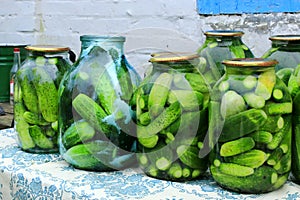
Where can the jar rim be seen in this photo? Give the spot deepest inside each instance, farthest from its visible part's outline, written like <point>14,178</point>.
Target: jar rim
<point>47,48</point>
<point>224,33</point>
<point>172,56</point>
<point>284,38</point>
<point>102,38</point>
<point>250,62</point>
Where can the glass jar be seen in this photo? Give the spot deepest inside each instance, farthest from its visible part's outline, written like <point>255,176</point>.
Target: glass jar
<point>96,124</point>
<point>35,97</point>
<point>220,45</point>
<point>250,124</point>
<point>286,50</point>
<point>172,118</point>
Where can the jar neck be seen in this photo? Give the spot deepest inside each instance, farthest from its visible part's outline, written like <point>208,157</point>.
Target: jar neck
<point>106,43</point>
<point>63,54</point>
<point>224,40</point>
<point>284,44</point>
<point>176,67</point>
<point>247,70</point>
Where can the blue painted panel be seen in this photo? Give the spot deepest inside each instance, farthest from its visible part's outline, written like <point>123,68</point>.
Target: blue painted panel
<point>211,7</point>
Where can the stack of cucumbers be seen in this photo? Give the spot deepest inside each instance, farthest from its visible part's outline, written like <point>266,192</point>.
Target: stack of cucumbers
<point>36,105</point>
<point>172,118</point>
<point>97,131</point>
<point>253,143</point>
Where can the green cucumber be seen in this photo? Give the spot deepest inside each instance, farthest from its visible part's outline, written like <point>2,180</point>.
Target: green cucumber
<point>284,74</point>
<point>260,181</point>
<point>253,158</point>
<point>242,124</point>
<point>83,156</point>
<point>78,132</point>
<point>279,108</point>
<point>39,138</point>
<point>159,94</point>
<point>278,136</point>
<point>235,169</point>
<point>236,147</point>
<point>232,103</point>
<point>188,155</point>
<point>197,82</point>
<point>189,100</point>
<point>254,100</point>
<point>273,124</point>
<point>266,82</point>
<point>89,110</point>
<point>262,136</point>
<point>275,156</point>
<point>33,118</point>
<point>26,142</point>
<point>47,94</point>
<point>29,94</point>
<point>166,118</point>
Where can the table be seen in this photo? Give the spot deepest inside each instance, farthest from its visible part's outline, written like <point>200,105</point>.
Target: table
<point>49,177</point>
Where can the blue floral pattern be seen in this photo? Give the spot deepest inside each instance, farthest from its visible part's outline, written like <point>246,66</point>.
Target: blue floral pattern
<point>48,177</point>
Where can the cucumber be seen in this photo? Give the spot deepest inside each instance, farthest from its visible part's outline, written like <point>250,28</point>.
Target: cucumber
<point>262,136</point>
<point>242,124</point>
<point>278,136</point>
<point>254,100</point>
<point>148,142</point>
<point>284,164</point>
<point>125,81</point>
<point>89,110</point>
<point>273,124</point>
<point>47,94</point>
<point>188,155</point>
<point>266,82</point>
<point>28,91</point>
<point>33,118</point>
<point>159,94</point>
<point>167,117</point>
<point>78,132</point>
<point>284,74</point>
<point>279,108</point>
<point>235,169</point>
<point>296,147</point>
<point>189,100</point>
<point>275,156</point>
<point>175,171</point>
<point>253,158</point>
<point>232,103</point>
<point>26,142</point>
<point>197,82</point>
<point>236,147</point>
<point>241,84</point>
<point>40,138</point>
<point>260,181</point>
<point>83,156</point>
<point>280,92</point>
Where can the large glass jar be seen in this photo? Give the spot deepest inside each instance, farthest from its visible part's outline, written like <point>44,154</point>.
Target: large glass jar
<point>286,50</point>
<point>35,97</point>
<point>96,124</point>
<point>172,117</point>
<point>250,126</point>
<point>220,45</point>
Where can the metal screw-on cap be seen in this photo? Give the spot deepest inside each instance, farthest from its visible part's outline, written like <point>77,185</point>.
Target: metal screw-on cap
<point>285,38</point>
<point>224,33</point>
<point>250,62</point>
<point>172,56</point>
<point>47,48</point>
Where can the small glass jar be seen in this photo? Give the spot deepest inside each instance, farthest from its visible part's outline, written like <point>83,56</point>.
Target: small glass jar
<point>220,45</point>
<point>172,118</point>
<point>286,50</point>
<point>36,97</point>
<point>96,123</point>
<point>250,127</point>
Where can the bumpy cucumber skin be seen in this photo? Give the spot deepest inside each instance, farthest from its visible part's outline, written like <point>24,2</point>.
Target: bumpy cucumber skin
<point>47,94</point>
<point>33,118</point>
<point>40,138</point>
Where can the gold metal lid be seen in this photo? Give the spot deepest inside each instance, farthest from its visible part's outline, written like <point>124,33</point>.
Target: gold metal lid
<point>172,56</point>
<point>284,38</point>
<point>224,33</point>
<point>47,48</point>
<point>250,62</point>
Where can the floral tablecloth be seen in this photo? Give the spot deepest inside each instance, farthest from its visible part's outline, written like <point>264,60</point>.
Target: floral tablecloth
<point>47,176</point>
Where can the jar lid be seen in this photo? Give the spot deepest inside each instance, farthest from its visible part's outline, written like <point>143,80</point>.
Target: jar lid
<point>172,56</point>
<point>284,38</point>
<point>47,48</point>
<point>250,62</point>
<point>224,33</point>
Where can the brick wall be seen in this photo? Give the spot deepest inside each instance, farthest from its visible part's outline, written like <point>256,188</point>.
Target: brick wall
<point>148,25</point>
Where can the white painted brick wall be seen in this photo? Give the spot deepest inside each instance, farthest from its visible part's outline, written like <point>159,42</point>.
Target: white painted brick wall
<point>148,25</point>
